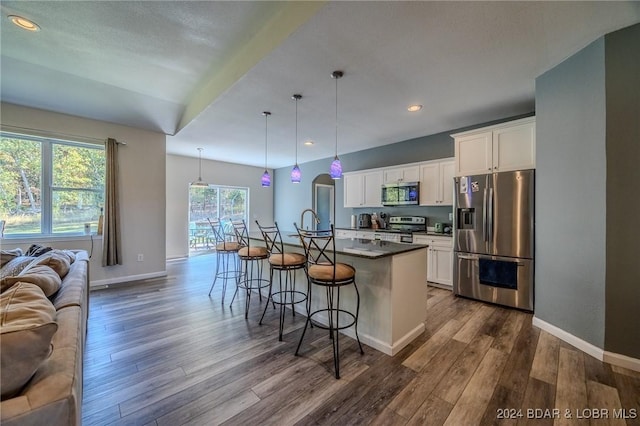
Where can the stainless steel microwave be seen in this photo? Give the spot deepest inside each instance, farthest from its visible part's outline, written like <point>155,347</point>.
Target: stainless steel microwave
<point>400,194</point>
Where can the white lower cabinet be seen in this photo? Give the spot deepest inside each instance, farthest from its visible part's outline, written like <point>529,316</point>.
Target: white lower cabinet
<point>345,233</point>
<point>439,258</point>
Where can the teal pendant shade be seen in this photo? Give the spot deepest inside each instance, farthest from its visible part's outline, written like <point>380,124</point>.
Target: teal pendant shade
<point>296,174</point>
<point>335,171</point>
<point>265,180</point>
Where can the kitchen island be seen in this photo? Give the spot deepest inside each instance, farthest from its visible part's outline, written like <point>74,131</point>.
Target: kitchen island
<point>391,278</point>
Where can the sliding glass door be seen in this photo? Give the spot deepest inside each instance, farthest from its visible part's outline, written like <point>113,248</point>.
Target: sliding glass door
<point>213,202</point>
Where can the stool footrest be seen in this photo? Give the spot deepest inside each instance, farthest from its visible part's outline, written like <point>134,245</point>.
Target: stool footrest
<point>292,294</point>
<point>350,315</point>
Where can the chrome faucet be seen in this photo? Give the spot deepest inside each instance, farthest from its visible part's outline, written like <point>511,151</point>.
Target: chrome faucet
<point>313,213</point>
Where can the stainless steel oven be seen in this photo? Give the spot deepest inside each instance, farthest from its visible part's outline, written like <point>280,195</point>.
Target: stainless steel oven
<point>503,280</point>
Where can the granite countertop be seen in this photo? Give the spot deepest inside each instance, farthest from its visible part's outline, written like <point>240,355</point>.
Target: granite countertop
<point>358,247</point>
<point>430,233</point>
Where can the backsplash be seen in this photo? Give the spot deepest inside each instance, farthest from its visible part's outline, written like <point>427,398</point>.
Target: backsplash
<point>432,213</point>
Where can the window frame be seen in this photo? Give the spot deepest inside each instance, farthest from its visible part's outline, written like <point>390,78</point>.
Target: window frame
<point>47,189</point>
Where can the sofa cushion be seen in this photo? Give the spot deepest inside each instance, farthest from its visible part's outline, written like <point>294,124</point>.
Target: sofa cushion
<point>55,259</point>
<point>41,275</point>
<point>7,255</point>
<point>74,291</point>
<point>13,268</point>
<point>27,325</point>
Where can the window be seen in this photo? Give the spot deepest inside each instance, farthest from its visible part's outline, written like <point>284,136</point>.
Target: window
<point>49,187</point>
<point>214,202</point>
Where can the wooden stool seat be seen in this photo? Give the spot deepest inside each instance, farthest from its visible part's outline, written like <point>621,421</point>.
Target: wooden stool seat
<point>325,272</point>
<point>253,253</point>
<point>287,259</point>
<point>230,246</point>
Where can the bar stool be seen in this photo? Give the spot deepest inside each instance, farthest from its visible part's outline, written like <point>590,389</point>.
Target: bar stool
<point>324,271</point>
<point>226,252</point>
<point>281,262</point>
<point>251,258</point>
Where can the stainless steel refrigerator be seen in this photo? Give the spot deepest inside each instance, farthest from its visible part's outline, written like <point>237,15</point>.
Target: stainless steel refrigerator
<point>494,238</point>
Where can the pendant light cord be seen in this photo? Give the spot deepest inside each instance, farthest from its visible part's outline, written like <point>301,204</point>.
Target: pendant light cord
<point>336,78</point>
<point>266,120</point>
<point>296,140</point>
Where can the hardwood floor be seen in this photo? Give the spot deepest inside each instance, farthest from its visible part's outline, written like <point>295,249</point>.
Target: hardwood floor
<point>163,353</point>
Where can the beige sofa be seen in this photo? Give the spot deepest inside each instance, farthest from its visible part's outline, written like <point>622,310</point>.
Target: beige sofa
<point>53,395</point>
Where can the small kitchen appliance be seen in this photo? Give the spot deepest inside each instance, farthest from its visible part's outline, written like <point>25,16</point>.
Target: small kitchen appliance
<point>400,194</point>
<point>364,220</point>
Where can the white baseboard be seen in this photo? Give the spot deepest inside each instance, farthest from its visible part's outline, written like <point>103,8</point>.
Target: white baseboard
<point>622,361</point>
<point>385,348</point>
<point>596,352</point>
<point>119,280</point>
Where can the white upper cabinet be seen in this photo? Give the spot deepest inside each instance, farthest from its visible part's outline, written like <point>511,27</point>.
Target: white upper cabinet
<point>514,147</point>
<point>473,154</point>
<point>363,189</point>
<point>436,183</point>
<point>402,174</point>
<point>508,146</point>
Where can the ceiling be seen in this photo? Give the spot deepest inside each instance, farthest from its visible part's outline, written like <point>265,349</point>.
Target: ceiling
<point>204,71</point>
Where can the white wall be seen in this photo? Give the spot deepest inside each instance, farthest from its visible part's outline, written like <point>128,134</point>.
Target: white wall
<point>183,170</point>
<point>142,177</point>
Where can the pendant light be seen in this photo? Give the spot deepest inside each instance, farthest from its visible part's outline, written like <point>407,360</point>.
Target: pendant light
<point>335,171</point>
<point>296,174</point>
<point>266,178</point>
<point>199,182</point>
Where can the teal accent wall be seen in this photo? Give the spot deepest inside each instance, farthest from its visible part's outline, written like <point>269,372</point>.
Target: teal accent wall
<point>622,59</point>
<point>587,152</point>
<point>571,195</point>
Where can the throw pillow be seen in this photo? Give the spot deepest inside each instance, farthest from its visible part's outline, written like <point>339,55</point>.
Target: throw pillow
<point>57,261</point>
<point>27,325</point>
<point>13,268</point>
<point>36,250</point>
<point>7,255</point>
<point>41,275</point>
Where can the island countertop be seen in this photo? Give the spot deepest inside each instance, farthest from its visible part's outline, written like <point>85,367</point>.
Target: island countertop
<point>352,246</point>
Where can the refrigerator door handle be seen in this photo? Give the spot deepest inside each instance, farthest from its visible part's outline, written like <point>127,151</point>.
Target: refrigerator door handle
<point>484,216</point>
<point>490,219</point>
<point>466,257</point>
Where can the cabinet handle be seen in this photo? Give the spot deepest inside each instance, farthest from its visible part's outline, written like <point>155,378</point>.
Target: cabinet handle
<point>489,168</point>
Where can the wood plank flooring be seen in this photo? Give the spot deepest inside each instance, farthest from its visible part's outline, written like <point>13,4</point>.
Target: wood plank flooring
<point>162,352</point>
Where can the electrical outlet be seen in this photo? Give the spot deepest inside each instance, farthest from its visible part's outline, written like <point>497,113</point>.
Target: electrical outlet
<point>450,216</point>
<point>140,257</point>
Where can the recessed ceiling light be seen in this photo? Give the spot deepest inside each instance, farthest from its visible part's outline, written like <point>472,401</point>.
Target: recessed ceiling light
<point>414,108</point>
<point>24,23</point>
<point>308,142</point>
